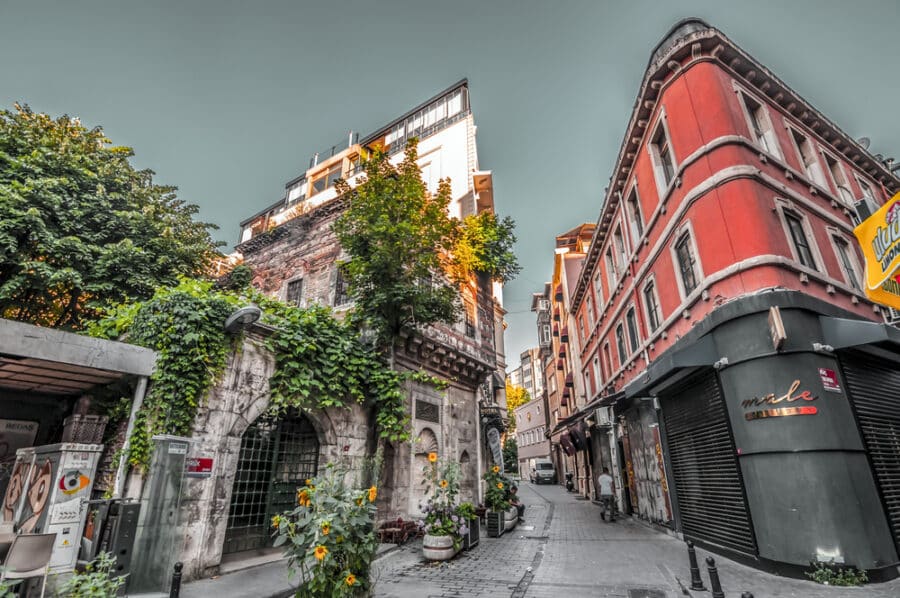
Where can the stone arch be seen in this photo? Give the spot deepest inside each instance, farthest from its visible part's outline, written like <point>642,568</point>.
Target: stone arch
<point>426,442</point>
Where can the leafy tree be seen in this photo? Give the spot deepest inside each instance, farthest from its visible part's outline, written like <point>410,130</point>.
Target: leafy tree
<point>511,454</point>
<point>399,238</point>
<point>515,397</point>
<point>485,245</point>
<point>80,228</point>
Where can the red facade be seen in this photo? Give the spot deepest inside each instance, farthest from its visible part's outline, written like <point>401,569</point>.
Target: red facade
<point>758,195</point>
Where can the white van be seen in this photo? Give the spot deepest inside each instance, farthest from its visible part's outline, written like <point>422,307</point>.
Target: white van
<point>542,471</point>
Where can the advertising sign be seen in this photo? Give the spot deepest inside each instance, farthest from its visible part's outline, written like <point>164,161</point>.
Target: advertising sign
<point>198,467</point>
<point>879,239</point>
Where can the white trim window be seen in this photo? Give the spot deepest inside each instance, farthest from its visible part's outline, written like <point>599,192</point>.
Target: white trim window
<point>634,334</point>
<point>597,373</point>
<point>806,153</point>
<point>612,275</point>
<point>662,157</point>
<point>607,359</point>
<point>760,124</point>
<point>847,260</point>
<point>620,344</point>
<point>651,306</point>
<point>598,287</point>
<point>800,237</point>
<point>867,189</point>
<point>684,252</point>
<point>635,219</point>
<point>619,242</point>
<point>592,316</point>
<point>839,178</point>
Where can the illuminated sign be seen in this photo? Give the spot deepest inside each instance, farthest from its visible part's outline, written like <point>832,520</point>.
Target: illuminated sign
<point>790,396</point>
<point>879,239</point>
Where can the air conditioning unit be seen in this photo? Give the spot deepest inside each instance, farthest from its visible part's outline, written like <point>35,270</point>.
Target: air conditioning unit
<point>601,417</point>
<point>864,207</point>
<point>893,316</point>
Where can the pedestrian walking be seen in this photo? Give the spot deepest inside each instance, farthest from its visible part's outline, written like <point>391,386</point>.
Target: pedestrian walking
<point>607,499</point>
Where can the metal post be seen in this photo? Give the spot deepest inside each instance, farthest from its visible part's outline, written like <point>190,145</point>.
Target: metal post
<point>696,580</point>
<point>715,585</point>
<point>746,595</point>
<point>139,392</point>
<point>175,589</point>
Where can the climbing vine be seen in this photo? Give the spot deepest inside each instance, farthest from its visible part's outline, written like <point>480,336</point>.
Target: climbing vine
<point>320,361</point>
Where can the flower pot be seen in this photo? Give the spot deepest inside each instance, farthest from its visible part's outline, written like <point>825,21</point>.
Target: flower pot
<point>470,540</point>
<point>495,523</point>
<point>438,548</point>
<point>511,518</point>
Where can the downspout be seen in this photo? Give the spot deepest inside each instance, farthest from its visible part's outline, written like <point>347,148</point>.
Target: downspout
<point>478,442</point>
<point>139,393</point>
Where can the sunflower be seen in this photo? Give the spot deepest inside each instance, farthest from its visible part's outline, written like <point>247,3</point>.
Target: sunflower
<point>500,485</point>
<point>303,498</point>
<point>373,492</point>
<point>326,527</point>
<point>350,579</point>
<point>496,469</point>
<point>276,521</point>
<point>444,483</point>
<point>432,457</point>
<point>320,552</point>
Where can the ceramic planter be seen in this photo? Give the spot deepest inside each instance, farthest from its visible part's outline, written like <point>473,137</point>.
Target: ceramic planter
<point>438,548</point>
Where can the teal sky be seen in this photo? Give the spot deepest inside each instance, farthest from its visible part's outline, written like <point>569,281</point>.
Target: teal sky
<point>228,100</point>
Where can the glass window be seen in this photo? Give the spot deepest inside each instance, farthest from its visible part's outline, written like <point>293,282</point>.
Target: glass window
<point>866,189</point>
<point>843,251</point>
<point>607,358</point>
<point>633,337</point>
<point>621,258</point>
<point>294,292</point>
<point>598,287</point>
<point>620,344</point>
<point>650,301</point>
<point>325,179</point>
<point>611,274</point>
<point>662,154</point>
<point>841,185</point>
<point>798,238</point>
<point>686,263</point>
<point>592,317</point>
<point>807,154</point>
<point>761,126</point>
<point>634,218</point>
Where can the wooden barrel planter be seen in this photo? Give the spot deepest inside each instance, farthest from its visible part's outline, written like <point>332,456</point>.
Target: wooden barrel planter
<point>438,548</point>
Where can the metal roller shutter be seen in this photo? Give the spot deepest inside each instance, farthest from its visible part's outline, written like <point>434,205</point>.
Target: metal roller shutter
<point>874,388</point>
<point>711,502</point>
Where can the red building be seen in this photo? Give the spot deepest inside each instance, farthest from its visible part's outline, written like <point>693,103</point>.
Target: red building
<point>756,389</point>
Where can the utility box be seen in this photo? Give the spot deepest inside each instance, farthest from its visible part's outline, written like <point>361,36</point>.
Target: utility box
<point>48,493</point>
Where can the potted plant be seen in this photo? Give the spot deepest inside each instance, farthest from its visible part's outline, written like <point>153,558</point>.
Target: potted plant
<point>496,500</point>
<point>471,529</point>
<point>442,526</point>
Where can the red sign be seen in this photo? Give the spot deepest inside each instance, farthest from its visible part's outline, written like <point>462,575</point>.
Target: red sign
<point>829,380</point>
<point>198,467</point>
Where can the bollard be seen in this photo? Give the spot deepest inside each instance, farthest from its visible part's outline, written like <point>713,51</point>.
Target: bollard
<point>746,595</point>
<point>175,589</point>
<point>696,580</point>
<point>714,585</point>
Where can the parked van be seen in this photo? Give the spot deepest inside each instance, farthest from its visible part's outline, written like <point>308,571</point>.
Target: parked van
<point>543,472</point>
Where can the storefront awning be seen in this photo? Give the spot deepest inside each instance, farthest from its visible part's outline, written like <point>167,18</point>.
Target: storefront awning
<point>702,352</point>
<point>841,333</point>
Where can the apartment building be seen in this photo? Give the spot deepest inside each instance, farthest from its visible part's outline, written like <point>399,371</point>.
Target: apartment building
<point>755,390</point>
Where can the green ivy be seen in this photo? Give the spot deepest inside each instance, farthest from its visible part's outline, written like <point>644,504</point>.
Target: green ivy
<point>320,361</point>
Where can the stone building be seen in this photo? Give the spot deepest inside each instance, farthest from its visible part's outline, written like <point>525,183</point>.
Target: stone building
<point>294,256</point>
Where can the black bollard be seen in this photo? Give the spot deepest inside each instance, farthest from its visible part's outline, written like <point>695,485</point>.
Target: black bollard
<point>746,595</point>
<point>714,585</point>
<point>696,580</point>
<point>175,589</point>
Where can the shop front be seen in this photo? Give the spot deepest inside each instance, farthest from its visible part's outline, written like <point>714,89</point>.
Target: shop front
<point>782,440</point>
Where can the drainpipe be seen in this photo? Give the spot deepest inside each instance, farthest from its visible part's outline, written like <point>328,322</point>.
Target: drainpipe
<point>139,392</point>
<point>478,486</point>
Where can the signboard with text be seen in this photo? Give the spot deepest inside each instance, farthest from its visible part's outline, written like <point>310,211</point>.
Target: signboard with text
<point>879,239</point>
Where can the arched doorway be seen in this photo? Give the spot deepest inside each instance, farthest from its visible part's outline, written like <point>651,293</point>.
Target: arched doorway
<point>276,458</point>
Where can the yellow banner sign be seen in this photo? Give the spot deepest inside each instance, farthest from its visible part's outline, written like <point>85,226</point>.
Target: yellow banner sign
<point>879,239</point>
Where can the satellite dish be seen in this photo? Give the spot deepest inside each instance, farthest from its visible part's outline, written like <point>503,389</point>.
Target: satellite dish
<point>241,318</point>
<point>865,142</point>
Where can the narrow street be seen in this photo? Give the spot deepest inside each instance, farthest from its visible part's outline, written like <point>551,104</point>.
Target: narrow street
<point>564,548</point>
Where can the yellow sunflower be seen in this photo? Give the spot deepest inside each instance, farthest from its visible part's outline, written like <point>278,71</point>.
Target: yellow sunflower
<point>320,552</point>
<point>500,485</point>
<point>326,527</point>
<point>496,469</point>
<point>350,579</point>
<point>432,457</point>
<point>276,521</point>
<point>444,483</point>
<point>303,498</point>
<point>373,492</point>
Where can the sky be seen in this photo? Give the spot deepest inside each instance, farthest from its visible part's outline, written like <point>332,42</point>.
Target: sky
<point>228,100</point>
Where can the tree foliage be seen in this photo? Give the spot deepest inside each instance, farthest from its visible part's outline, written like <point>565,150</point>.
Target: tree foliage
<point>510,454</point>
<point>80,228</point>
<point>515,397</point>
<point>485,246</point>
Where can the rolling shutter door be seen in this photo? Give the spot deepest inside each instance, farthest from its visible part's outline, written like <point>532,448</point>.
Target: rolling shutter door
<point>874,388</point>
<point>709,490</point>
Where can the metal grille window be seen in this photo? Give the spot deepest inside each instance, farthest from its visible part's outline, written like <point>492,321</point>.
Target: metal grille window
<point>276,458</point>
<point>341,287</point>
<point>686,263</point>
<point>843,251</point>
<point>799,240</point>
<point>652,305</point>
<point>294,291</point>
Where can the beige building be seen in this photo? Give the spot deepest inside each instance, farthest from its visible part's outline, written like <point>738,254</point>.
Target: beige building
<point>531,429</point>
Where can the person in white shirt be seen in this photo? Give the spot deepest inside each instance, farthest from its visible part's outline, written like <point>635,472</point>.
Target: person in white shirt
<point>607,499</point>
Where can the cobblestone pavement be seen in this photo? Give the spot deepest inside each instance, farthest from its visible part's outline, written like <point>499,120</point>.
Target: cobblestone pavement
<point>564,550</point>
